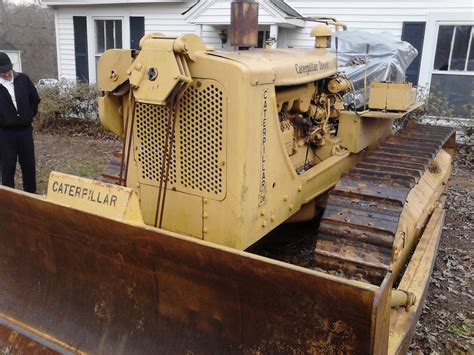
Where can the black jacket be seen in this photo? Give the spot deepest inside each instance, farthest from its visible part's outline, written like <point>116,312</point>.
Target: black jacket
<point>27,100</point>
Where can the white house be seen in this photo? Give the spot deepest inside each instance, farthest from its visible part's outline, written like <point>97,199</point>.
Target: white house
<point>15,57</point>
<point>23,2</point>
<point>13,53</point>
<point>441,31</point>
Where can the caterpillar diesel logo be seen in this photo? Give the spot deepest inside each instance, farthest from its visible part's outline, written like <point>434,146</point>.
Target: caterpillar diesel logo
<point>311,67</point>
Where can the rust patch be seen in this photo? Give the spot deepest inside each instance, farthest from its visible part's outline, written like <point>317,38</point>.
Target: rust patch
<point>244,24</point>
<point>14,343</point>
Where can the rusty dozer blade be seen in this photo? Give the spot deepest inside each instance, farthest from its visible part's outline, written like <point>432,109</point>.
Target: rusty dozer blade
<point>75,282</point>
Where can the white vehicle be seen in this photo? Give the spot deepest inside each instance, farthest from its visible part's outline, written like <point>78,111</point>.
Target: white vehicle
<point>47,83</point>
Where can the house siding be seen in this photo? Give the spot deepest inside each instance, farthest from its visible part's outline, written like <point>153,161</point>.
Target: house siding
<point>65,37</point>
<point>219,13</point>
<point>210,36</point>
<point>373,16</point>
<point>383,16</point>
<point>15,57</point>
<point>162,17</point>
<point>369,15</point>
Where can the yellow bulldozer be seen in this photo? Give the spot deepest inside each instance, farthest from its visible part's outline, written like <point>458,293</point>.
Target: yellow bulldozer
<point>221,148</point>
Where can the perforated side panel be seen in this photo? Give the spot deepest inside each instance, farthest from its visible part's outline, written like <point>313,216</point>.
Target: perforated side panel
<point>151,123</point>
<point>198,157</point>
<point>201,139</point>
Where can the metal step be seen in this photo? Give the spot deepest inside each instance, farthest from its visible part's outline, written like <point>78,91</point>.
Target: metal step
<point>112,174</point>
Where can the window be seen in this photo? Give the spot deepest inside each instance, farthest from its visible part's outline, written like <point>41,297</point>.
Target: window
<point>454,48</point>
<point>108,35</point>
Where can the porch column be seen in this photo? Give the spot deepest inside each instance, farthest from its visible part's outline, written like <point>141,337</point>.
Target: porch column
<point>198,30</point>
<point>274,34</point>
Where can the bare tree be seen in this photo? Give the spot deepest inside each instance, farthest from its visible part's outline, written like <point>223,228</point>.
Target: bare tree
<point>30,29</point>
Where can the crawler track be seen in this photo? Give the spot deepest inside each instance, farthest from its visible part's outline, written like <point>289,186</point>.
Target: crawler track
<point>358,227</point>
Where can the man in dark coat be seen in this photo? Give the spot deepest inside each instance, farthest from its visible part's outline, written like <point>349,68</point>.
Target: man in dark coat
<point>19,102</point>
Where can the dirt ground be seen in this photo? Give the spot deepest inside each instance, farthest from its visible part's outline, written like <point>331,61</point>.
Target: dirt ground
<point>76,155</point>
<point>447,321</point>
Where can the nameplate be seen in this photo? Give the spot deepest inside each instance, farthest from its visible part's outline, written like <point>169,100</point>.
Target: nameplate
<point>93,196</point>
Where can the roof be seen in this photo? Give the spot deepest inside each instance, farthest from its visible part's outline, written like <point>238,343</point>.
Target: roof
<point>280,4</point>
<point>192,7</point>
<point>217,13</point>
<point>104,2</point>
<point>284,7</point>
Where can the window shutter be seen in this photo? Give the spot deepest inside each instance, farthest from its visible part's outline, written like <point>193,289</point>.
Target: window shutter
<point>80,47</point>
<point>137,31</point>
<point>414,33</point>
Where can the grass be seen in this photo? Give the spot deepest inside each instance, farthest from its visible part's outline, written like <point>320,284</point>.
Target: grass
<point>460,330</point>
<point>85,169</point>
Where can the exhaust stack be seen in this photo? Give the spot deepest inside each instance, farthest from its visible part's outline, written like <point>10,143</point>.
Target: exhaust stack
<point>244,23</point>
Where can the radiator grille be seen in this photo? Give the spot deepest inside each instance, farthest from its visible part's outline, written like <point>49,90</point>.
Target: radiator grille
<point>198,156</point>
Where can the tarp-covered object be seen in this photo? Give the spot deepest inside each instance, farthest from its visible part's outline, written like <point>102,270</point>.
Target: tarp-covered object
<point>388,59</point>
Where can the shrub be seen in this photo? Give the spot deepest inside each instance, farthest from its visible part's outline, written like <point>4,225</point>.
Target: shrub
<point>436,104</point>
<point>437,107</point>
<point>70,107</point>
<point>67,100</point>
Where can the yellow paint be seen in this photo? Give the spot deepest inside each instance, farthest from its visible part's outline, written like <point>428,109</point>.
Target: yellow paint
<point>234,176</point>
<point>420,203</point>
<point>415,279</point>
<point>111,114</point>
<point>358,133</point>
<point>400,96</point>
<point>112,69</point>
<point>179,206</point>
<point>391,96</point>
<point>160,70</point>
<point>96,197</point>
<point>234,155</point>
<point>323,34</point>
<point>378,95</point>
